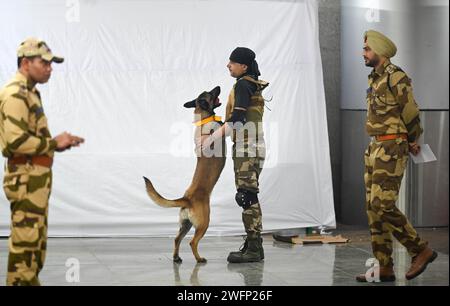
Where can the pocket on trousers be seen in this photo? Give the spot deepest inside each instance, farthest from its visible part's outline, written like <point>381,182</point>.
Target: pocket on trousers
<point>15,186</point>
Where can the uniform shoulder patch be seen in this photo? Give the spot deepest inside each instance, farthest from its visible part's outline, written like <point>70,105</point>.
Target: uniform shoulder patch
<point>18,91</point>
<point>391,69</point>
<point>17,88</point>
<point>396,75</point>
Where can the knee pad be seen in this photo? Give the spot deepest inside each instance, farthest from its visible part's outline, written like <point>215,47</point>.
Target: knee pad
<point>245,198</point>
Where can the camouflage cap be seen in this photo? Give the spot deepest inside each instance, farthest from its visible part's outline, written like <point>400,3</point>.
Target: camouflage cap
<point>36,47</point>
<point>380,44</point>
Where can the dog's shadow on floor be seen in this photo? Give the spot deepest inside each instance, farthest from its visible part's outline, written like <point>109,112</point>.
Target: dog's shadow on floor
<point>194,280</point>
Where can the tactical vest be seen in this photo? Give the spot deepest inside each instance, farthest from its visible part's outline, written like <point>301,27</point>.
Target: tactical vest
<point>255,110</point>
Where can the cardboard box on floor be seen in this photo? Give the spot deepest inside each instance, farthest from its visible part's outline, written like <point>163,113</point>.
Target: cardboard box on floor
<point>311,239</point>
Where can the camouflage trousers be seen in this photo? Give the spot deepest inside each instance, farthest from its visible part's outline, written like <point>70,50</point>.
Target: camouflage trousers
<point>27,188</point>
<point>248,164</point>
<point>385,164</point>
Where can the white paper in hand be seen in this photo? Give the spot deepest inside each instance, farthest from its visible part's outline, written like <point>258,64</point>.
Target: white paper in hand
<point>425,155</point>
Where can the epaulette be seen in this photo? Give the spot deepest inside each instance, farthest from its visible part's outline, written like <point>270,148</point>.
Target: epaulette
<point>391,69</point>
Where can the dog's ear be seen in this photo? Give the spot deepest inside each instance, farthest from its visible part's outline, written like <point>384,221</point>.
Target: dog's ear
<point>190,104</point>
<point>215,91</point>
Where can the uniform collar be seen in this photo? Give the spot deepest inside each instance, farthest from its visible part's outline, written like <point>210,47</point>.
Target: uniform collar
<point>21,78</point>
<point>247,74</point>
<point>380,70</point>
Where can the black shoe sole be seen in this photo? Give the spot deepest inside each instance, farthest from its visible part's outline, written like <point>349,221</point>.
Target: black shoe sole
<point>244,261</point>
<point>432,258</point>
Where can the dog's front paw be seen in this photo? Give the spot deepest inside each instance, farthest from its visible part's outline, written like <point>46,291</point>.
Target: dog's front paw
<point>202,260</point>
<point>177,259</point>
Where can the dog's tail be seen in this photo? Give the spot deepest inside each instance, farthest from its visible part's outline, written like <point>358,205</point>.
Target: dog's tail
<point>158,199</point>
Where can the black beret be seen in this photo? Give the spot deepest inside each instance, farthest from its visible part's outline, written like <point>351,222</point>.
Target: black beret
<point>243,56</point>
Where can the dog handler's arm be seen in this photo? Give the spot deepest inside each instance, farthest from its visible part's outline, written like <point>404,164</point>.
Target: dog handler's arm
<point>224,131</point>
<point>243,93</point>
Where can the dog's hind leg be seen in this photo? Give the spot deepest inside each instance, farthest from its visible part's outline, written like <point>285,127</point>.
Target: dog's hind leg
<point>185,226</point>
<point>199,233</point>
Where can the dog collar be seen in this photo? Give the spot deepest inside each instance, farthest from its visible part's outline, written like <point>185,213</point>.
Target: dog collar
<point>208,120</point>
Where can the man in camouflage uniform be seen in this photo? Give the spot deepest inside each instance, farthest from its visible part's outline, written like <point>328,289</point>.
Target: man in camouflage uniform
<point>244,116</point>
<point>27,144</point>
<point>393,122</point>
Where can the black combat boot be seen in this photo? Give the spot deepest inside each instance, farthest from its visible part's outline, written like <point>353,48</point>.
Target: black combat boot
<point>252,251</point>
<point>244,247</point>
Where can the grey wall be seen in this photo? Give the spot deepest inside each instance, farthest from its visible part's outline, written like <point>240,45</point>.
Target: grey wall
<point>428,184</point>
<point>329,32</point>
<point>420,29</point>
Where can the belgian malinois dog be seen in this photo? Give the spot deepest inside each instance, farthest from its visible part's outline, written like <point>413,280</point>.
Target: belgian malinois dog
<point>194,204</point>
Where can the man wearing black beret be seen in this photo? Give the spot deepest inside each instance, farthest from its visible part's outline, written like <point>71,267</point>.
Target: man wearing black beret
<point>244,116</point>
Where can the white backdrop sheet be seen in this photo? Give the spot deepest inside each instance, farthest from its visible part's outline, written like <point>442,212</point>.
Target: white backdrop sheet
<point>130,66</point>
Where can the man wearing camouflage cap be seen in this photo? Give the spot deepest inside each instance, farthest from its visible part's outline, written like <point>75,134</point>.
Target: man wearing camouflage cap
<point>27,145</point>
<point>393,122</point>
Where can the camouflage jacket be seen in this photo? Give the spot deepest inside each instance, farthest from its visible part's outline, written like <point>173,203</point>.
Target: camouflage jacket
<point>23,125</point>
<point>391,105</point>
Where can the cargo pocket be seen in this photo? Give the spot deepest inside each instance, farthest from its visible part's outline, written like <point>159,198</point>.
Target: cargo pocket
<point>15,187</point>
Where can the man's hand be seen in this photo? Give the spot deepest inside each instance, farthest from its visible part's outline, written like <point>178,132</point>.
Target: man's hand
<point>204,141</point>
<point>414,148</point>
<point>66,141</point>
<point>76,141</point>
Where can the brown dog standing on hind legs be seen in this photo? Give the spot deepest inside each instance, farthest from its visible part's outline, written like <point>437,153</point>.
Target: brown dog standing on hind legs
<point>195,210</point>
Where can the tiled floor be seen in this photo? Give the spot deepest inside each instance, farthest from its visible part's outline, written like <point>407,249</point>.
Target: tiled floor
<point>147,261</point>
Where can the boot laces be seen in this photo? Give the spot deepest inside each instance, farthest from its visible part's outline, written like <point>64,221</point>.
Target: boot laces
<point>243,244</point>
